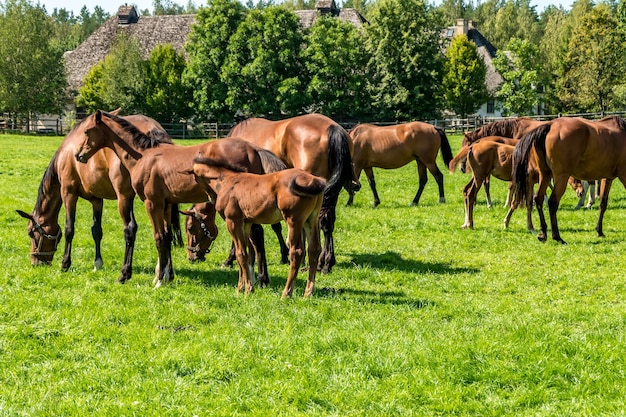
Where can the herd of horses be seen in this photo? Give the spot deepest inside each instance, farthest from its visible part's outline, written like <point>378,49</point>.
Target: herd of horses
<point>293,170</point>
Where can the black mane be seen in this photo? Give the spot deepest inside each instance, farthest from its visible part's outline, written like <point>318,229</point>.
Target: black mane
<point>142,141</point>
<point>220,164</point>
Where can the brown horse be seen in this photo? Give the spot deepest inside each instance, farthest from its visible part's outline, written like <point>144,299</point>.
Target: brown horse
<point>391,147</point>
<point>65,180</point>
<point>316,144</point>
<point>156,172</point>
<point>509,128</point>
<point>485,158</point>
<point>242,198</point>
<point>461,160</point>
<point>571,146</point>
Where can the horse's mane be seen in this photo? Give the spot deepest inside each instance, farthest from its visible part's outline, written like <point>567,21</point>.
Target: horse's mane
<point>270,162</point>
<point>242,122</point>
<point>220,164</point>
<point>142,141</point>
<point>50,176</point>
<point>499,128</point>
<point>621,123</point>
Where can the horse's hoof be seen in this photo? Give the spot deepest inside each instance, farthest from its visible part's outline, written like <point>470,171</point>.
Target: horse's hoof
<point>541,237</point>
<point>442,199</point>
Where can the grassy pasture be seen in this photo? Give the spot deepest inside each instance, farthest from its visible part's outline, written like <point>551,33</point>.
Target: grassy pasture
<point>419,317</point>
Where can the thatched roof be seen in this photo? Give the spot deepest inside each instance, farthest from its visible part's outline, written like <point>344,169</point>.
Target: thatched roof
<point>149,30</point>
<point>154,30</point>
<point>486,50</point>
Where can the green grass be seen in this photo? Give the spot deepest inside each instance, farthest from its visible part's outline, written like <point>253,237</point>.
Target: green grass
<point>419,317</point>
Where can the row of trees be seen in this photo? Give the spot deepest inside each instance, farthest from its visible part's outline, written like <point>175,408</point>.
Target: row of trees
<point>257,60</point>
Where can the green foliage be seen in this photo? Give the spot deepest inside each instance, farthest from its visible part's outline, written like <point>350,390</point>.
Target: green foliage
<point>32,77</point>
<point>262,70</point>
<point>166,95</point>
<point>336,58</point>
<point>403,41</point>
<point>520,70</point>
<point>91,95</point>
<point>418,317</point>
<point>464,74</point>
<point>206,49</point>
<point>594,64</point>
<point>121,80</point>
<point>500,22</point>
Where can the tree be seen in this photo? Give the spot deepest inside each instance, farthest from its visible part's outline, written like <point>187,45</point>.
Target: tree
<point>120,82</point>
<point>166,96</point>
<point>464,74</point>
<point>403,41</point>
<point>262,71</point>
<point>206,48</point>
<point>520,70</point>
<point>553,48</point>
<point>595,62</point>
<point>90,96</point>
<point>31,69</point>
<point>335,57</point>
<point>502,21</point>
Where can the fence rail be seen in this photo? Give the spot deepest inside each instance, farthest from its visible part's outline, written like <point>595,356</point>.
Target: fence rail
<point>190,130</point>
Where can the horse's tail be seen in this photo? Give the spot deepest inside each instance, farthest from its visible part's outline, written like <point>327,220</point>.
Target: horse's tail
<point>446,150</point>
<point>339,163</point>
<point>177,234</point>
<point>458,158</point>
<point>304,184</point>
<point>521,156</point>
<point>270,162</point>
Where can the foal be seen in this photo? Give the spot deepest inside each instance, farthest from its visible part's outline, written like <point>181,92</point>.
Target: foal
<point>242,198</point>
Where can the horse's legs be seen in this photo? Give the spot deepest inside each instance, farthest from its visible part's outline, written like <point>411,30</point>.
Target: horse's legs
<point>438,175</point>
<point>423,179</point>
<point>231,257</point>
<point>241,239</point>
<point>125,208</point>
<point>313,251</point>
<point>529,207</point>
<point>560,184</point>
<point>156,212</point>
<point>509,195</point>
<point>96,232</point>
<point>327,219</point>
<point>284,250</point>
<point>470,200</point>
<point>369,173</point>
<point>296,251</point>
<point>581,199</point>
<point>539,198</point>
<point>350,189</point>
<point>466,190</point>
<point>258,244</point>
<point>70,219</point>
<point>487,192</point>
<point>605,187</point>
<point>595,188</point>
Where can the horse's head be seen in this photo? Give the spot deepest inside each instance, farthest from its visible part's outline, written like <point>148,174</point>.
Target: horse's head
<point>577,185</point>
<point>44,239</point>
<point>94,137</point>
<point>201,231</point>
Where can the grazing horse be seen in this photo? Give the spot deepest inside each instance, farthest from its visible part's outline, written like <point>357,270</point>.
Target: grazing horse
<point>461,159</point>
<point>510,128</point>
<point>65,180</point>
<point>242,198</point>
<point>485,158</point>
<point>156,172</point>
<point>316,144</point>
<point>571,146</point>
<point>391,147</point>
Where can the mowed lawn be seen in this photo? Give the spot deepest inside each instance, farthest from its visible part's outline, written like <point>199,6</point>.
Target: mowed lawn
<point>418,317</point>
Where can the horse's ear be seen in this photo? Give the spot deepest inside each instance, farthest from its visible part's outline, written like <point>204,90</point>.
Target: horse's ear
<point>24,214</point>
<point>189,213</point>
<point>98,116</point>
<point>116,112</point>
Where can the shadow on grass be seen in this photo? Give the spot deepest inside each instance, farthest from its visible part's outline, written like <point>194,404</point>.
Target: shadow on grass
<point>393,261</point>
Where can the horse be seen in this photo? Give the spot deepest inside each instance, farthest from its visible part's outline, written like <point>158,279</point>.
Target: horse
<point>104,177</point>
<point>461,159</point>
<point>316,144</point>
<point>571,146</point>
<point>391,147</point>
<point>485,158</point>
<point>242,198</point>
<point>582,188</point>
<point>157,173</point>
<point>511,128</point>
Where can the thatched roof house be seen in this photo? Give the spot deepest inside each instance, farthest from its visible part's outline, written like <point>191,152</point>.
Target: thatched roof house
<point>154,30</point>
